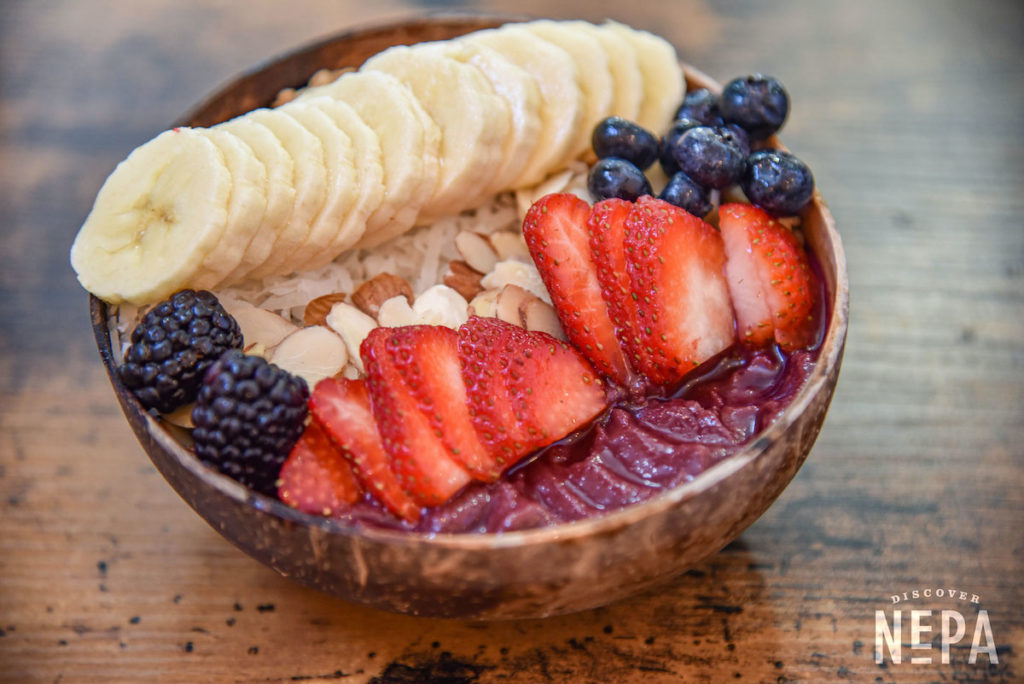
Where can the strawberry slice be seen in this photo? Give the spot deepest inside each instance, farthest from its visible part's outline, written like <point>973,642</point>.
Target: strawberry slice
<point>342,408</point>
<point>427,357</point>
<point>555,229</point>
<point>316,478</point>
<point>420,460</point>
<point>770,278</point>
<point>607,230</point>
<point>676,266</point>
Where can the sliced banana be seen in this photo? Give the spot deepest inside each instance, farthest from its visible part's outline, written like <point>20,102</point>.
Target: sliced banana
<point>410,143</point>
<point>247,205</point>
<point>160,212</point>
<point>310,183</point>
<point>593,75</point>
<point>520,92</point>
<point>628,82</point>
<point>342,191</point>
<point>369,183</point>
<point>664,84</point>
<point>280,192</point>
<point>561,109</point>
<point>474,122</point>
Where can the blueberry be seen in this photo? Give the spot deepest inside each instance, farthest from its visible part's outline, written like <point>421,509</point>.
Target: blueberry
<point>739,136</point>
<point>710,156</point>
<point>614,177</point>
<point>700,105</point>
<point>758,103</point>
<point>683,192</point>
<point>777,182</point>
<point>618,137</point>
<point>670,140</point>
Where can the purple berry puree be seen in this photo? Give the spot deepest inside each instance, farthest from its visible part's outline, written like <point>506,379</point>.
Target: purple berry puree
<point>635,451</point>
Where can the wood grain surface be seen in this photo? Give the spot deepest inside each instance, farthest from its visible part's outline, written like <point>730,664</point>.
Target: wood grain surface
<point>909,113</point>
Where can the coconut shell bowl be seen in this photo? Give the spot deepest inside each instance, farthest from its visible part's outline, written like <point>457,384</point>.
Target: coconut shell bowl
<point>525,574</point>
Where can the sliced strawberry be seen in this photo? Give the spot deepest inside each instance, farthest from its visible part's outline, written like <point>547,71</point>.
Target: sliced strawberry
<point>770,278</point>
<point>342,408</point>
<point>427,357</point>
<point>607,232</point>
<point>418,457</point>
<point>676,266</point>
<point>486,356</point>
<point>555,229</point>
<point>316,478</point>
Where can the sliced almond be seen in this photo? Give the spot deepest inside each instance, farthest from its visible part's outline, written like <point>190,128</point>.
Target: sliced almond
<point>323,77</point>
<point>369,296</point>
<point>312,353</point>
<point>510,299</point>
<point>463,279</point>
<point>284,96</point>
<point>181,416</point>
<point>259,326</point>
<point>353,326</point>
<point>537,314</point>
<point>485,304</point>
<point>512,272</point>
<point>317,310</point>
<point>441,305</point>
<point>508,245</point>
<point>396,312</point>
<point>476,250</point>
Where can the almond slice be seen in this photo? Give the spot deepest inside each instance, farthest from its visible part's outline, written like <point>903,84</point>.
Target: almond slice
<point>396,312</point>
<point>369,296</point>
<point>512,272</point>
<point>312,353</point>
<point>508,245</point>
<point>441,305</point>
<point>538,315</point>
<point>485,304</point>
<point>353,325</point>
<point>476,250</point>
<point>463,279</point>
<point>317,310</point>
<point>260,328</point>
<point>508,303</point>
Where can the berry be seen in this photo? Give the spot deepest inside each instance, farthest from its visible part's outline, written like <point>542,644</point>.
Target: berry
<point>757,103</point>
<point>770,278</point>
<point>618,137</point>
<point>614,177</point>
<point>248,416</point>
<point>556,233</point>
<point>316,478</point>
<point>777,182</point>
<point>710,156</point>
<point>342,407</point>
<point>607,228</point>
<point>682,309</point>
<point>700,105</point>
<point>683,192</point>
<point>419,459</point>
<point>739,136</point>
<point>173,345</point>
<point>670,140</point>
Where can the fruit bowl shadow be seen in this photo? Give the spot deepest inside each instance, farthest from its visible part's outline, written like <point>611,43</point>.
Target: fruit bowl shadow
<point>527,574</point>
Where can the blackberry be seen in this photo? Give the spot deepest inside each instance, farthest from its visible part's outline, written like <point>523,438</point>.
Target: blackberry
<point>248,416</point>
<point>172,347</point>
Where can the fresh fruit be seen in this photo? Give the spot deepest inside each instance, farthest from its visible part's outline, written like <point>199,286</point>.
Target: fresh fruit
<point>627,81</point>
<point>770,278</point>
<point>618,137</point>
<point>156,218</point>
<point>613,177</point>
<point>686,194</point>
<point>683,313</point>
<point>777,181</point>
<point>316,478</point>
<point>606,227</point>
<point>670,141</point>
<point>756,102</point>
<point>173,345</point>
<point>342,407</point>
<point>556,233</point>
<point>419,458</point>
<point>248,416</point>
<point>525,389</point>
<point>710,156</point>
<point>664,85</point>
<point>700,105</point>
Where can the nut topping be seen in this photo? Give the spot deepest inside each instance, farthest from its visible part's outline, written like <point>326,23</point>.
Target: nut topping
<point>317,310</point>
<point>463,279</point>
<point>370,295</point>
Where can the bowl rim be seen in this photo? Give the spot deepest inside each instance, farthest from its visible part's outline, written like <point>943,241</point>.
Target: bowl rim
<point>832,346</point>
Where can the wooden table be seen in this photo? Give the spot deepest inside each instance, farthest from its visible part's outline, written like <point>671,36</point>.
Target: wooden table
<point>910,114</point>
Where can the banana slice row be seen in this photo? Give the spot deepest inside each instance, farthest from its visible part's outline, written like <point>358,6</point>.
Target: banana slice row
<point>419,132</point>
